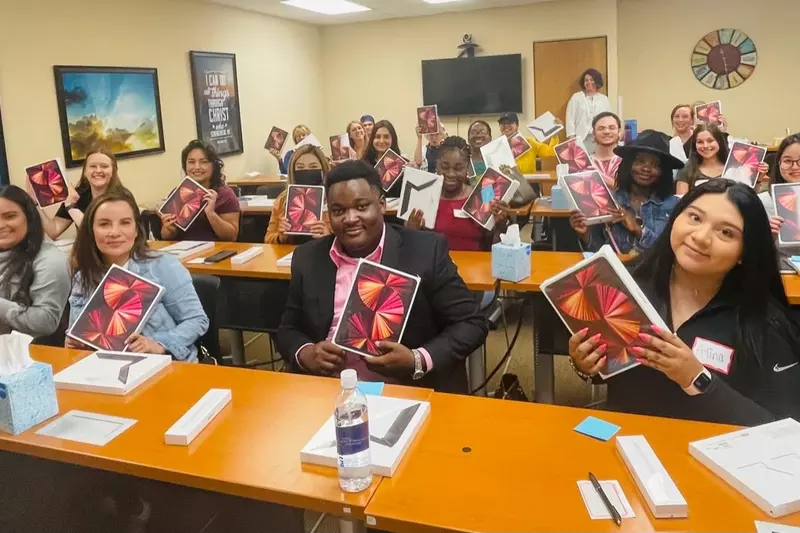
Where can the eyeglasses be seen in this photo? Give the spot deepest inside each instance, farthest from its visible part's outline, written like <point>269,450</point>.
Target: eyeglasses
<point>786,164</point>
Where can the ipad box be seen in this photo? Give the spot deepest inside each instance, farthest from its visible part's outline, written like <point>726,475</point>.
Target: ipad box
<point>659,490</point>
<point>116,373</point>
<point>393,425</point>
<point>762,463</point>
<point>189,426</point>
<point>27,398</point>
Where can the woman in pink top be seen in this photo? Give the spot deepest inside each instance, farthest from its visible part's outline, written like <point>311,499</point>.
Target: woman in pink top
<point>462,232</point>
<point>605,128</point>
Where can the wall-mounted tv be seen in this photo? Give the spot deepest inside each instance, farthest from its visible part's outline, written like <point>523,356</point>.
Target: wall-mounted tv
<point>473,85</point>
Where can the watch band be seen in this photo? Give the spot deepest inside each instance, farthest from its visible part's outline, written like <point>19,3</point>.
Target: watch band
<point>700,383</point>
<point>419,373</point>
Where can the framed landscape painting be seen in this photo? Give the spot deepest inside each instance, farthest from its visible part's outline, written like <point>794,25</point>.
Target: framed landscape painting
<point>216,101</point>
<point>117,109</point>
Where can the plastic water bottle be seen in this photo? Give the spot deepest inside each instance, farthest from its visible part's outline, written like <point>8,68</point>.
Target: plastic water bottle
<point>352,435</point>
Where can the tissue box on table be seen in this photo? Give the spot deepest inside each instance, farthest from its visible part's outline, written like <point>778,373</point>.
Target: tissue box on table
<point>27,398</point>
<point>557,198</point>
<point>511,262</point>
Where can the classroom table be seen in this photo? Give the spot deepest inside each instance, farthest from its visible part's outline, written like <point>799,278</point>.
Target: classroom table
<point>475,269</point>
<point>500,466</point>
<point>257,181</point>
<point>251,449</point>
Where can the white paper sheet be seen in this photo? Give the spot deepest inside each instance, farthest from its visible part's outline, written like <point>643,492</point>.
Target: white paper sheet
<point>285,261</point>
<point>89,428</point>
<point>594,504</point>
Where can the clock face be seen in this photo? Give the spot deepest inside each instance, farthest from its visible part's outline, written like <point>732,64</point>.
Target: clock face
<point>724,59</point>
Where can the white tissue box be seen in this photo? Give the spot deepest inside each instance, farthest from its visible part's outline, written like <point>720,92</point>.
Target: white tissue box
<point>27,398</point>
<point>511,263</point>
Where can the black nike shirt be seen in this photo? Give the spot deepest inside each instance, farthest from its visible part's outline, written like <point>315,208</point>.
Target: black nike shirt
<point>743,391</point>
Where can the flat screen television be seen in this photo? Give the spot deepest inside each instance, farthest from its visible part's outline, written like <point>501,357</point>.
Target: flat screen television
<point>473,85</point>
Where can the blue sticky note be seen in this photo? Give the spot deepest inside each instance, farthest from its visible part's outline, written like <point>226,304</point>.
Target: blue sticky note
<point>796,259</point>
<point>587,255</point>
<point>487,194</point>
<point>372,388</point>
<point>596,428</point>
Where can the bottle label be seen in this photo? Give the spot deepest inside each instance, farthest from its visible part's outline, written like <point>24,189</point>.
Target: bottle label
<point>352,439</point>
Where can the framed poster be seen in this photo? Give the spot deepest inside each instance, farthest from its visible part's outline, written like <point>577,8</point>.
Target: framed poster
<point>216,101</point>
<point>114,108</point>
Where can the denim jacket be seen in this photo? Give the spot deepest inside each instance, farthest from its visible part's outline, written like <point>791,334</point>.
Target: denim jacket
<point>655,216</point>
<point>178,319</point>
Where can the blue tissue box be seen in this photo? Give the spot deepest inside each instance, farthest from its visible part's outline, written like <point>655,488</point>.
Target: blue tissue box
<point>558,199</point>
<point>27,398</point>
<point>511,263</point>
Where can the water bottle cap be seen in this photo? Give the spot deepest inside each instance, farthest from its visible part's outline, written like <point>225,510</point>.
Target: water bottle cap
<point>349,378</point>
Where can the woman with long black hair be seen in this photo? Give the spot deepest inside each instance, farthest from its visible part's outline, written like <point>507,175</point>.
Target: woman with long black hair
<point>708,152</point>
<point>384,138</point>
<point>34,277</point>
<point>219,220</point>
<point>713,277</point>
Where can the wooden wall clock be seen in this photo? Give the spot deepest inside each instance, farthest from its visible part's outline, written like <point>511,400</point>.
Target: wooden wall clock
<point>724,59</point>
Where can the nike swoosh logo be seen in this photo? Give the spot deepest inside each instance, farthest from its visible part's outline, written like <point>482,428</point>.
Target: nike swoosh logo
<point>782,368</point>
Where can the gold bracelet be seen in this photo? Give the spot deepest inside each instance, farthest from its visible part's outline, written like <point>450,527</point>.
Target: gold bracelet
<point>585,377</point>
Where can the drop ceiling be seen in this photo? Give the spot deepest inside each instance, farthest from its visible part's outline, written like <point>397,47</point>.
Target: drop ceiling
<point>380,9</point>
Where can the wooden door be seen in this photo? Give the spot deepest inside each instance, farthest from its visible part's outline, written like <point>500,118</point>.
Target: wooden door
<point>557,65</point>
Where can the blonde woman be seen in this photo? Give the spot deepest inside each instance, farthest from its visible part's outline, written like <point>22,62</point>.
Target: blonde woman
<point>358,139</point>
<point>308,166</point>
<point>299,133</point>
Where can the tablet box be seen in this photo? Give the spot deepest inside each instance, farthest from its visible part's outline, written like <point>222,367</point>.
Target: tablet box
<point>511,263</point>
<point>27,398</point>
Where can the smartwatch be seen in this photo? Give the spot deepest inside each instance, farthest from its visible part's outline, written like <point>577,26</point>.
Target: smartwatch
<point>419,373</point>
<point>700,383</point>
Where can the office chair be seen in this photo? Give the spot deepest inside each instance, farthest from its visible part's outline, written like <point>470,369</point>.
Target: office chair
<point>207,288</point>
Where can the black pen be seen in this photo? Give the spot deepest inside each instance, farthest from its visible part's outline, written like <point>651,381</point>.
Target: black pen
<point>611,509</point>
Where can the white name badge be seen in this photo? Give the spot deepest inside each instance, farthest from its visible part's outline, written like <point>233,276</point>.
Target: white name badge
<point>713,355</point>
<point>459,213</point>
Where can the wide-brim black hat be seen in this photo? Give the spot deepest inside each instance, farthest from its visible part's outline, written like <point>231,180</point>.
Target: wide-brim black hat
<point>653,142</point>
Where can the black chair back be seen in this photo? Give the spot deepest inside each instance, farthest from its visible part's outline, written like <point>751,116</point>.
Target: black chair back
<point>207,289</point>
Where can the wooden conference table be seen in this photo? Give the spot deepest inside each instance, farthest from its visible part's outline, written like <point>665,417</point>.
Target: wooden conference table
<point>477,464</point>
<point>252,449</point>
<point>488,465</point>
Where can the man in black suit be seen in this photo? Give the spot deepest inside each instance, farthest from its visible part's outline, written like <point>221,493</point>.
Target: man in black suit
<point>444,326</point>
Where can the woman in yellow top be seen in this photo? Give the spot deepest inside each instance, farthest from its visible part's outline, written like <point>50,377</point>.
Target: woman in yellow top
<point>308,166</point>
<point>509,126</point>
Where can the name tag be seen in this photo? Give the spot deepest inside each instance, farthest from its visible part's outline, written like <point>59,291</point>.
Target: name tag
<point>459,213</point>
<point>713,355</point>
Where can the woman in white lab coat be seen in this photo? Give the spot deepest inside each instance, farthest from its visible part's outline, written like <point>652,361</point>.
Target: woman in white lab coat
<point>584,106</point>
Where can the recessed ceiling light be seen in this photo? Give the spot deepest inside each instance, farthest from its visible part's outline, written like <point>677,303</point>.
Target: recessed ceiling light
<point>440,1</point>
<point>327,7</point>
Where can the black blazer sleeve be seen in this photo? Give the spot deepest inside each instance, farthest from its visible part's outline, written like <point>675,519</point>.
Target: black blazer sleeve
<point>462,330</point>
<point>291,334</point>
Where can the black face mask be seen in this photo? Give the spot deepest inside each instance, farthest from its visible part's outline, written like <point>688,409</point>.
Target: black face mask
<point>308,177</point>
